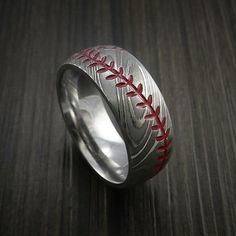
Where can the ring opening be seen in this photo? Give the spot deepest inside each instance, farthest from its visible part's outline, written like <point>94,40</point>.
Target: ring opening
<point>93,125</point>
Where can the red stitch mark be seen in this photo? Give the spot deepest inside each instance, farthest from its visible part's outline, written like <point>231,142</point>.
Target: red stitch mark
<point>92,56</point>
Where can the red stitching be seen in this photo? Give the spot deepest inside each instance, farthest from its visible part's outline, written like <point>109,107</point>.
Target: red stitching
<point>90,55</point>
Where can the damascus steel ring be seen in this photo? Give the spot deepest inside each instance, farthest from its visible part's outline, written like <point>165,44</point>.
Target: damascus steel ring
<point>115,114</point>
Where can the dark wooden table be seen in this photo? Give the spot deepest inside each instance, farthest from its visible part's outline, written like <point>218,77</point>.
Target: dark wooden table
<point>46,188</point>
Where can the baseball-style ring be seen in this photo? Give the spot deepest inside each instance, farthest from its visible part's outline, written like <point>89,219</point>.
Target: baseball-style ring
<point>115,114</point>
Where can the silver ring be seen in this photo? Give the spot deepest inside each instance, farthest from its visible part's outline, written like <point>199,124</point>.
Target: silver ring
<point>116,114</point>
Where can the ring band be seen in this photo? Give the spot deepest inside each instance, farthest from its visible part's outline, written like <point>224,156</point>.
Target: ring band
<point>116,114</point>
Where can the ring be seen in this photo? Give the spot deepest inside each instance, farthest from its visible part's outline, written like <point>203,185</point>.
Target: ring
<point>115,113</point>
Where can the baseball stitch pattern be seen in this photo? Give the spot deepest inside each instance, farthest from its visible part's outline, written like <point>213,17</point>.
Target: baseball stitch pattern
<point>93,56</point>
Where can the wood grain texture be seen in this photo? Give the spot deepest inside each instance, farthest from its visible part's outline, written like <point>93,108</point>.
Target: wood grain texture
<point>189,47</point>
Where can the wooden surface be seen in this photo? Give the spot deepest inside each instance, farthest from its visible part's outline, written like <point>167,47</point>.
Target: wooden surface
<point>46,188</point>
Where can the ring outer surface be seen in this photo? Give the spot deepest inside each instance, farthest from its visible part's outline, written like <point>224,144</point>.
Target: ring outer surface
<point>136,102</point>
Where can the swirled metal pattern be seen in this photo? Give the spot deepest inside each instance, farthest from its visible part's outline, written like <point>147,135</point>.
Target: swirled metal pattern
<point>137,104</point>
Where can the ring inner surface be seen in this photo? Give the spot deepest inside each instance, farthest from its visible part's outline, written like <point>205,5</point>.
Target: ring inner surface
<point>93,126</point>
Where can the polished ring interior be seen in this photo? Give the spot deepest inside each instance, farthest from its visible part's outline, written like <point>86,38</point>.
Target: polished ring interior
<point>92,125</point>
